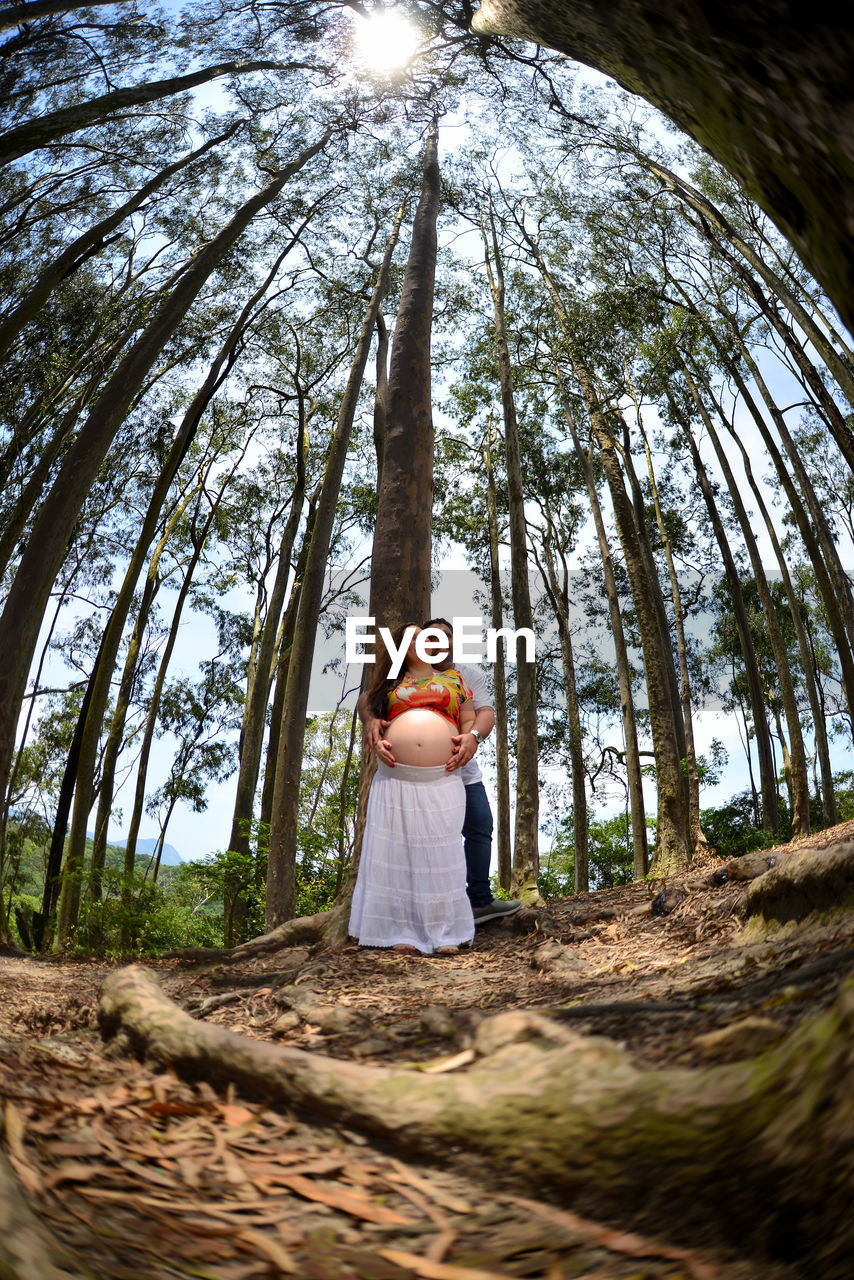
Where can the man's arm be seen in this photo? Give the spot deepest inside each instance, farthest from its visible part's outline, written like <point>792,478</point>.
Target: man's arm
<point>464,745</point>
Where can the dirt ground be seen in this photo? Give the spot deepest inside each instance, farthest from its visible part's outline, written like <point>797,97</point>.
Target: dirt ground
<point>141,1174</point>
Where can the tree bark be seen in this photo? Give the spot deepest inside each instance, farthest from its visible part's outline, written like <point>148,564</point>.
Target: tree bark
<point>45,129</point>
<point>502,746</point>
<point>799,776</point>
<point>557,589</point>
<point>828,797</point>
<point>767,773</point>
<point>640,845</point>
<point>673,836</point>
<point>281,862</point>
<point>46,549</point>
<point>30,10</point>
<point>526,855</point>
<point>400,564</point>
<point>640,1142</point>
<point>701,67</point>
<point>691,770</point>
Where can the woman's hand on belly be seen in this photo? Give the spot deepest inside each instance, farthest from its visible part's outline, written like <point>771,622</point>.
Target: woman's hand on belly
<point>420,736</point>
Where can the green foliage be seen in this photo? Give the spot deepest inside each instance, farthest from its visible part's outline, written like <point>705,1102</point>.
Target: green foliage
<point>731,828</point>
<point>145,918</point>
<point>610,852</point>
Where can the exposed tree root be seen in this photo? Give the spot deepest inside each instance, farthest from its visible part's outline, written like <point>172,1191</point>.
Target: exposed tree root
<point>304,931</point>
<point>804,881</point>
<point>758,1153</point>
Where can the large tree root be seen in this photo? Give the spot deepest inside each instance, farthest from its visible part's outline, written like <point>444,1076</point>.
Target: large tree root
<point>758,1153</point>
<point>303,931</point>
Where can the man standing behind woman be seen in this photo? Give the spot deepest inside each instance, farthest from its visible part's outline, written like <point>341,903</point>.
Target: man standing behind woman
<point>410,892</point>
<point>477,822</point>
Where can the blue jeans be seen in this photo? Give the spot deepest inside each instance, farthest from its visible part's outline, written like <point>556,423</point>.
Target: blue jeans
<point>477,838</point>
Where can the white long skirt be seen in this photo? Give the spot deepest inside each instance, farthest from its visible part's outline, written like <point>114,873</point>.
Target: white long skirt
<point>411,886</point>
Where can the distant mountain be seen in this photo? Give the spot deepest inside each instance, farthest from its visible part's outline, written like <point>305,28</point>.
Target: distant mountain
<point>170,858</point>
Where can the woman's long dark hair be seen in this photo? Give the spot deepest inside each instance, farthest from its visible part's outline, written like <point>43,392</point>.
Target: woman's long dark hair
<point>381,686</point>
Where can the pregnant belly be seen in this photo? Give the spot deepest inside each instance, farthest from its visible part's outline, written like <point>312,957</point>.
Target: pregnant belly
<point>420,737</point>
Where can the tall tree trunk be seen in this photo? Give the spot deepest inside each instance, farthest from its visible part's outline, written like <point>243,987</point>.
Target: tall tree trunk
<point>823,533</point>
<point>673,836</point>
<point>400,564</point>
<point>502,751</point>
<point>814,544</point>
<point>47,546</point>
<point>84,793</point>
<point>526,857</point>
<point>280,675</point>
<point>822,749</point>
<point>47,128</point>
<point>557,588</point>
<point>89,243</point>
<point>691,770</point>
<point>38,472</point>
<point>638,508</point>
<point>767,776</point>
<point>640,847</point>
<point>258,684</point>
<point>798,773</point>
<point>281,863</point>
<point>713,217</point>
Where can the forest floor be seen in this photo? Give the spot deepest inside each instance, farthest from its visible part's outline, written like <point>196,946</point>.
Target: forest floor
<point>140,1174</point>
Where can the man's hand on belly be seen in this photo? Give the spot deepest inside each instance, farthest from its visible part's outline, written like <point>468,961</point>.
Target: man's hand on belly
<point>462,749</point>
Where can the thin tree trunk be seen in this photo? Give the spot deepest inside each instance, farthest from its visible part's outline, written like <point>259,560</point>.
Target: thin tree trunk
<point>115,735</point>
<point>502,746</point>
<point>798,773</point>
<point>89,243</point>
<point>558,593</point>
<point>258,685</point>
<point>30,10</point>
<point>280,675</point>
<point>712,216</point>
<point>526,858</point>
<point>673,837</point>
<point>767,776</point>
<point>822,749</point>
<point>692,772</point>
<point>281,863</point>
<point>47,128</point>
<point>37,474</point>
<point>809,535</point>
<point>47,546</point>
<point>640,846</point>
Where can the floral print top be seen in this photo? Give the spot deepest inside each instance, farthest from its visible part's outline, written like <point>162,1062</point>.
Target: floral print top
<point>443,691</point>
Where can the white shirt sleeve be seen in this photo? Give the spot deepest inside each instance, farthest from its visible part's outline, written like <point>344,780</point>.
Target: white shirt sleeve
<point>476,681</point>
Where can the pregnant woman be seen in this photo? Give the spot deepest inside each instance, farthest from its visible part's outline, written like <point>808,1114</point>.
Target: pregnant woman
<point>411,889</point>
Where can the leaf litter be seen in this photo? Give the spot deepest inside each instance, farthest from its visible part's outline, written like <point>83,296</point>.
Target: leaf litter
<point>143,1174</point>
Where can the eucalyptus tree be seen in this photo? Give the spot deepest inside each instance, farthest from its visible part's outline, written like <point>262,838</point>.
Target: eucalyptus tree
<point>407,442</point>
<point>672,829</point>
<point>552,537</point>
<point>525,845</point>
<point>787,158</point>
<point>41,559</point>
